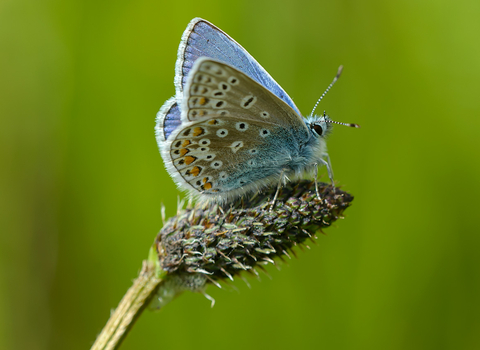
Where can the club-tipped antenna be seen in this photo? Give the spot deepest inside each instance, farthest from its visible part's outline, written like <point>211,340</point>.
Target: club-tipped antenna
<point>352,125</point>
<point>340,123</point>
<point>328,88</point>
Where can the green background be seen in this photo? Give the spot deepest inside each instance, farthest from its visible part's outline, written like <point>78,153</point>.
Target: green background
<point>82,181</point>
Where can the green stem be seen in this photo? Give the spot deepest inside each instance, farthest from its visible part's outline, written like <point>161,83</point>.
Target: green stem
<point>131,306</point>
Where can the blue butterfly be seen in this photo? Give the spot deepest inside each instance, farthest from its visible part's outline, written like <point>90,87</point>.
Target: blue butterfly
<point>231,129</point>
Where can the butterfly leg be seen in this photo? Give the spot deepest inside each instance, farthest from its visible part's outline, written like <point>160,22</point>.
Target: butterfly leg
<point>328,164</point>
<point>315,176</point>
<point>277,191</point>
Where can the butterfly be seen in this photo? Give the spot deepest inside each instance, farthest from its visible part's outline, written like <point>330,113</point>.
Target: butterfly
<point>231,129</point>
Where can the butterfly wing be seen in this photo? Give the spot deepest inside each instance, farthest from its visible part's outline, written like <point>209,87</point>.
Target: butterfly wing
<point>168,119</point>
<point>216,89</point>
<point>239,135</point>
<point>203,39</point>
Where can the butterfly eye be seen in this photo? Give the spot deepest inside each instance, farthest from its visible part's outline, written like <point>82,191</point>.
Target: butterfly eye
<point>318,129</point>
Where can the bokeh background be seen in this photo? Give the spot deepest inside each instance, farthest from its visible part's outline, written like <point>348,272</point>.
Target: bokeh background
<point>82,181</point>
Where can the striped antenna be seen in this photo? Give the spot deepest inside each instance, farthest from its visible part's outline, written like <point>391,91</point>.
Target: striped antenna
<point>328,88</point>
<point>339,123</point>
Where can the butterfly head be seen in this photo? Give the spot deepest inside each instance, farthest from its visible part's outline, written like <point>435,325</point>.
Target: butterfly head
<point>321,126</point>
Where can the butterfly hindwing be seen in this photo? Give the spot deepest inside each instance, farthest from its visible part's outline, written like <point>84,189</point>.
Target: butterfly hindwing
<point>220,155</point>
<point>168,119</point>
<point>203,39</point>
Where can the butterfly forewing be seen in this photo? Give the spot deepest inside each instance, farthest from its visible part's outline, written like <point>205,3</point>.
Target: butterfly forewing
<point>215,89</point>
<point>203,39</point>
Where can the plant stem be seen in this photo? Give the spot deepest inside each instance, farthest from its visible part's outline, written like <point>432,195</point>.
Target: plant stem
<point>131,306</point>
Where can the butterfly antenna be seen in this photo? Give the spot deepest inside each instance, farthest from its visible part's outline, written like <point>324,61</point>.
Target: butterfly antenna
<point>328,88</point>
<point>326,120</point>
<point>340,123</point>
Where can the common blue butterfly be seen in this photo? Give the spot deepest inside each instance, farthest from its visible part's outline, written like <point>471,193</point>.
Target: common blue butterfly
<point>231,129</point>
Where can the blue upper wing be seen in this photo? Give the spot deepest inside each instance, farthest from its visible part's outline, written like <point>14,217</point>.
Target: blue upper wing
<point>168,119</point>
<point>203,39</point>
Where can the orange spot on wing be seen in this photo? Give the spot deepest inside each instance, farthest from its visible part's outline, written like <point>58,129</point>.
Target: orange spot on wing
<point>183,151</point>
<point>207,186</point>
<point>198,131</point>
<point>186,143</point>
<point>195,171</point>
<point>190,159</point>
<point>202,101</point>
<point>213,122</point>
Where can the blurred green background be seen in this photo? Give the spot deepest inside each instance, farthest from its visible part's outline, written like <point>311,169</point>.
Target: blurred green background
<point>82,181</point>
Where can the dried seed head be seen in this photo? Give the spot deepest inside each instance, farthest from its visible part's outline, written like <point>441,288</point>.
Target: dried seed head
<point>207,243</point>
